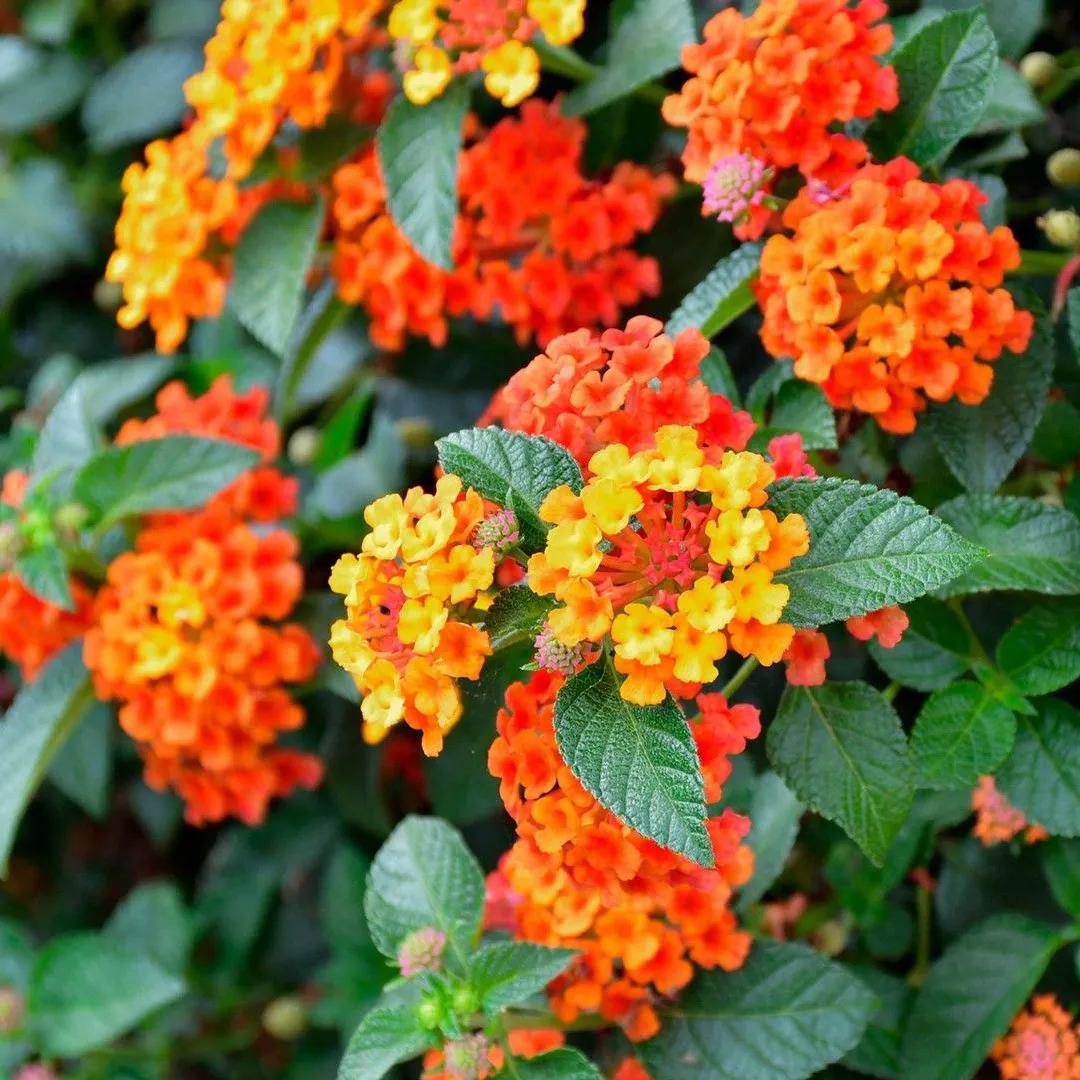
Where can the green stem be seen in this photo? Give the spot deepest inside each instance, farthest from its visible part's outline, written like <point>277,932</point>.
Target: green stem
<point>1042,263</point>
<point>891,690</point>
<point>749,666</point>
<point>978,652</point>
<point>331,316</point>
<point>924,912</point>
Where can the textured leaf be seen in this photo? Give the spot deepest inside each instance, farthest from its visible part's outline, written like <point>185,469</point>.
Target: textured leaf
<point>387,1035</point>
<point>51,89</point>
<point>962,732</point>
<point>87,989</point>
<point>878,1052</point>
<point>785,1014</point>
<point>82,769</point>
<point>640,761</point>
<point>68,437</point>
<point>1014,22</point>
<point>934,650</point>
<point>971,996</point>
<point>982,443</point>
<point>1041,653</point>
<point>722,296</point>
<point>516,471</point>
<point>1042,775</point>
<point>1031,545</point>
<point>774,823</point>
<point>517,614</point>
<point>271,267</point>
<point>505,973</point>
<point>945,72</point>
<point>153,920</point>
<point>31,732</point>
<point>43,572</point>
<point>1011,103</point>
<point>566,1063</point>
<point>419,147</point>
<point>110,385</point>
<point>869,548</point>
<point>841,749</point>
<point>173,473</point>
<point>425,876</point>
<point>801,407</point>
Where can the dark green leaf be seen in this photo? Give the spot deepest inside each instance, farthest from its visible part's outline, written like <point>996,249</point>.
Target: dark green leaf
<point>1061,861</point>
<point>505,973</point>
<point>41,222</point>
<point>387,1035</point>
<point>1072,306</point>
<point>801,407</point>
<point>842,750</point>
<point>878,1052</point>
<point>1011,104</point>
<point>722,296</point>
<point>52,88</point>
<point>1041,653</point>
<point>640,761</point>
<point>1014,22</point>
<point>82,769</point>
<point>565,1063</point>
<point>716,375</point>
<point>1055,438</point>
<point>517,614</point>
<point>934,650</point>
<point>154,921</point>
<point>43,572</point>
<point>774,814</point>
<point>419,147</point>
<point>341,906</point>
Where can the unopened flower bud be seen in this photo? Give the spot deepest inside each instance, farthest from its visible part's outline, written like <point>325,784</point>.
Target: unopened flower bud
<point>499,531</point>
<point>285,1018</point>
<point>1038,69</point>
<point>303,446</point>
<point>70,517</point>
<point>430,1012</point>
<point>36,1072</point>
<point>1061,228</point>
<point>465,1001</point>
<point>108,296</point>
<point>12,1010</point>
<point>831,937</point>
<point>467,1058</point>
<point>416,432</point>
<point>553,655</point>
<point>1063,168</point>
<point>733,185</point>
<point>421,951</point>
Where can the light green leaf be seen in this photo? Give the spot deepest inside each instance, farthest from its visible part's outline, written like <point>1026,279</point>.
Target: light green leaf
<point>50,21</point>
<point>419,147</point>
<point>774,823</point>
<point>1010,105</point>
<point>33,730</point>
<point>387,1035</point>
<point>945,71</point>
<point>842,750</point>
<point>869,548</point>
<point>971,996</point>
<point>514,470</point>
<point>722,296</point>
<point>1041,652</point>
<point>51,89</point>
<point>647,43</point>
<point>934,650</point>
<point>1031,545</point>
<point>82,769</point>
<point>68,438</point>
<point>154,921</point>
<point>566,1063</point>
<point>517,614</point>
<point>43,572</point>
<point>961,733</point>
<point>17,59</point>
<point>640,761</point>
<point>505,973</point>
<point>784,1015</point>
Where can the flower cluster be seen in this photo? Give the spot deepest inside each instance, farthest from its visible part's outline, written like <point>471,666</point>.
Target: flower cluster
<point>889,294</point>
<point>997,821</point>
<point>492,36</point>
<point>487,1058</point>
<point>673,556</point>
<point>1042,1044</point>
<point>809,649</point>
<point>577,877</point>
<point>33,631</point>
<point>405,640</point>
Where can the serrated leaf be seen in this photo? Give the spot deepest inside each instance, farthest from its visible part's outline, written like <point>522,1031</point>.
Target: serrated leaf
<point>841,749</point>
<point>1030,545</point>
<point>785,1014</point>
<point>505,973</point>
<point>68,437</point>
<point>154,920</point>
<point>722,296</point>
<point>640,761</point>
<point>1010,105</point>
<point>869,548</point>
<point>142,95</point>
<point>419,147</point>
<point>87,989</point>
<point>517,614</point>
<point>800,407</point>
<point>425,876</point>
<point>971,996</point>
<point>1061,862</point>
<point>878,1051</point>
<point>33,730</point>
<point>982,443</point>
<point>48,91</point>
<point>174,473</point>
<point>271,266</point>
<point>935,648</point>
<point>82,769</point>
<point>44,573</point>
<point>386,1036</point>
<point>1041,776</point>
<point>774,823</point>
<point>961,733</point>
<point>565,1063</point>
<point>647,43</point>
<point>514,470</point>
<point>1041,652</point>
<point>945,71</point>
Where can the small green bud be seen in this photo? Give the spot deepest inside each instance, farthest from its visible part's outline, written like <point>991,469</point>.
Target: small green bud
<point>303,446</point>
<point>1038,69</point>
<point>430,1012</point>
<point>108,296</point>
<point>831,937</point>
<point>10,545</point>
<point>12,1010</point>
<point>70,517</point>
<point>1061,228</point>
<point>285,1018</point>
<point>465,1001</point>
<point>1063,167</point>
<point>416,432</point>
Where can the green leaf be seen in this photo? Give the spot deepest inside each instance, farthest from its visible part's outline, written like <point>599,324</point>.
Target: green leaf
<point>50,90</point>
<point>174,473</point>
<point>934,650</point>
<point>722,296</point>
<point>647,43</point>
<point>640,761</point>
<point>387,1035</point>
<point>972,994</point>
<point>154,921</point>
<point>1072,306</point>
<point>68,437</point>
<point>716,375</point>
<point>1015,22</point>
<point>945,72</point>
<point>774,814</point>
<point>878,1052</point>
<point>869,548</point>
<point>784,1015</point>
<point>962,732</point>
<point>43,572</point>
<point>419,147</point>
<point>425,876</point>
<point>111,385</point>
<point>142,95</point>
<point>1061,862</point>
<point>505,973</point>
<point>1031,545</point>
<point>193,19</point>
<point>33,730</point>
<point>341,907</point>
<point>842,750</point>
<point>272,262</point>
<point>87,989</point>
<point>982,443</point>
<point>516,471</point>
<point>565,1063</point>
<point>801,407</point>
<point>517,614</point>
<point>1041,652</point>
<point>41,223</point>
<point>1042,775</point>
<point>82,769</point>
<point>1055,437</point>
<point>50,21</point>
<point>1010,105</point>
<point>18,59</point>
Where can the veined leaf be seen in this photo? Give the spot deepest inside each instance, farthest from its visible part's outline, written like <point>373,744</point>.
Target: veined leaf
<point>505,973</point>
<point>387,1035</point>
<point>1041,653</point>
<point>517,613</point>
<point>935,648</point>
<point>722,296</point>
<point>44,573</point>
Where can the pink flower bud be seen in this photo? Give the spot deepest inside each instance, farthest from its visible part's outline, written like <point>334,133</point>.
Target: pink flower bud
<point>733,185</point>
<point>421,951</point>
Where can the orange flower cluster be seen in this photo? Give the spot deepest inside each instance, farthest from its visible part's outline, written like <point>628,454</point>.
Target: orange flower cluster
<point>33,631</point>
<point>524,1043</point>
<point>809,649</point>
<point>407,595</point>
<point>536,244</point>
<point>776,85</point>
<point>1042,1044</point>
<point>997,821</point>
<point>577,877</point>
<point>890,295</point>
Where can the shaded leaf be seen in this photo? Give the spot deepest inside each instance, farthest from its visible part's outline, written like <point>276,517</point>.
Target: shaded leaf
<point>517,613</point>
<point>774,814</point>
<point>565,1063</point>
<point>154,920</point>
<point>878,1052</point>
<point>934,650</point>
<point>44,573</point>
<point>82,769</point>
<point>721,296</point>
<point>387,1035</point>
<point>505,973</point>
<point>1041,652</point>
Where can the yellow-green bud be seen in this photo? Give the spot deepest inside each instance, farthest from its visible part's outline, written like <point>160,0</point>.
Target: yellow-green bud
<point>285,1018</point>
<point>108,296</point>
<point>1061,228</point>
<point>12,1010</point>
<point>70,517</point>
<point>1038,69</point>
<point>831,937</point>
<point>303,446</point>
<point>1063,167</point>
<point>465,1001</point>
<point>430,1012</point>
<point>416,432</point>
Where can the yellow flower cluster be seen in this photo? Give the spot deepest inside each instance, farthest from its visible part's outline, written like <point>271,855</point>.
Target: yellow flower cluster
<point>673,555</point>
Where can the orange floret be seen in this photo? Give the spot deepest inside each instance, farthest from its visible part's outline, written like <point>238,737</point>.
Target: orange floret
<point>524,1043</point>
<point>997,821</point>
<point>887,624</point>
<point>805,658</point>
<point>577,877</point>
<point>889,294</point>
<point>1042,1044</point>
<point>33,631</point>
